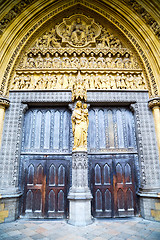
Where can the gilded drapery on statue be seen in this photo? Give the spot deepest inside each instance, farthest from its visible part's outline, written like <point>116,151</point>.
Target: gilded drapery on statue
<point>80,124</point>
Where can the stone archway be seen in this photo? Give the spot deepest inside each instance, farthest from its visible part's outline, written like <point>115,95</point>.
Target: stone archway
<point>20,74</point>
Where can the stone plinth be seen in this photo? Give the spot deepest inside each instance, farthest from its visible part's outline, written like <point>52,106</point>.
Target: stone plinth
<point>79,195</point>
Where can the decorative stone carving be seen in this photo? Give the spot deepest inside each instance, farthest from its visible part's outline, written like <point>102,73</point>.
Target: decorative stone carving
<point>80,82</point>
<point>12,14</point>
<point>78,30</point>
<point>8,80</point>
<point>79,194</point>
<point>145,16</point>
<point>80,126</point>
<point>92,60</point>
<point>79,91</point>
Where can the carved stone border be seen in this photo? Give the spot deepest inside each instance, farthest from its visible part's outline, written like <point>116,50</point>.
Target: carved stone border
<point>18,8</point>
<point>147,18</point>
<point>113,20</point>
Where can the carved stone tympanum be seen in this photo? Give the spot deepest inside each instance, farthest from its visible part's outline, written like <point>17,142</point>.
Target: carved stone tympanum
<point>78,30</point>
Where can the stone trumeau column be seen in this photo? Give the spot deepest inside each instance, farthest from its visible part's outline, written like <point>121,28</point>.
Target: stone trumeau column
<point>80,195</point>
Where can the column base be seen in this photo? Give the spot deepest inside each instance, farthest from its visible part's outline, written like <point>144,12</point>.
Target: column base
<point>9,206</point>
<point>150,205</point>
<point>80,208</point>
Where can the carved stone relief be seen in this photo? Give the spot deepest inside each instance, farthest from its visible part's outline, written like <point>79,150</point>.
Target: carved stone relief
<point>83,60</point>
<point>57,61</point>
<point>77,31</point>
<point>89,80</point>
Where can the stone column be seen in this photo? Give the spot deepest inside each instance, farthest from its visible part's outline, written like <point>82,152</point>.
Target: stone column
<point>154,104</point>
<point>4,103</point>
<point>80,195</point>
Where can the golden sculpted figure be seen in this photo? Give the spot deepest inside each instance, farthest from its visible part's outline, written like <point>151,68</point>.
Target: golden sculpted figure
<point>80,124</point>
<point>79,91</point>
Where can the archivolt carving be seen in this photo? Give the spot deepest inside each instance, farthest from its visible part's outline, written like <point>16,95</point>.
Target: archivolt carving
<point>145,16</point>
<point>12,14</point>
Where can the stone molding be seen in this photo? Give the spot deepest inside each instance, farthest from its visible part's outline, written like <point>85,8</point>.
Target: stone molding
<point>13,13</point>
<point>146,17</point>
<point>102,12</point>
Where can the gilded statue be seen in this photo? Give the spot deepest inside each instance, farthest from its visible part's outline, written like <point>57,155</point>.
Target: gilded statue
<point>80,124</point>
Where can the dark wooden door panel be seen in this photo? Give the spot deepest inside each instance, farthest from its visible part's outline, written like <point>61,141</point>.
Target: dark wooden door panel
<point>34,188</point>
<point>46,187</point>
<point>113,186</point>
<point>102,188</point>
<point>124,187</point>
<point>57,186</point>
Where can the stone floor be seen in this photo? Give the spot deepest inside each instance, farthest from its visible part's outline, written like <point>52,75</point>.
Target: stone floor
<point>115,229</point>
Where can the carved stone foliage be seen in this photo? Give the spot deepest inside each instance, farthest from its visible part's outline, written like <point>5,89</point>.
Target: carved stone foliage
<point>154,102</point>
<point>4,102</point>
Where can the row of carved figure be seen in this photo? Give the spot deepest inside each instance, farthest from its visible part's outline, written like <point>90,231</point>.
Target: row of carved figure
<point>81,62</point>
<point>89,81</point>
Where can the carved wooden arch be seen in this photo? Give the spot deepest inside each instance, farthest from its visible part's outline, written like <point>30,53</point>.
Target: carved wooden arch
<point>92,6</point>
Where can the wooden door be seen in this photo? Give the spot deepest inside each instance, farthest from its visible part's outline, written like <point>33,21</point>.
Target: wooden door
<point>57,187</point>
<point>112,155</point>
<point>34,188</point>
<point>45,160</point>
<point>46,185</point>
<point>113,186</point>
<point>102,187</point>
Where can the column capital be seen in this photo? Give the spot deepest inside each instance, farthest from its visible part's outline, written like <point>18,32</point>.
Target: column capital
<point>4,102</point>
<point>154,102</point>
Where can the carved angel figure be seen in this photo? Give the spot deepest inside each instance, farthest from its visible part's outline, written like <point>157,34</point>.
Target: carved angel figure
<point>80,126</point>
